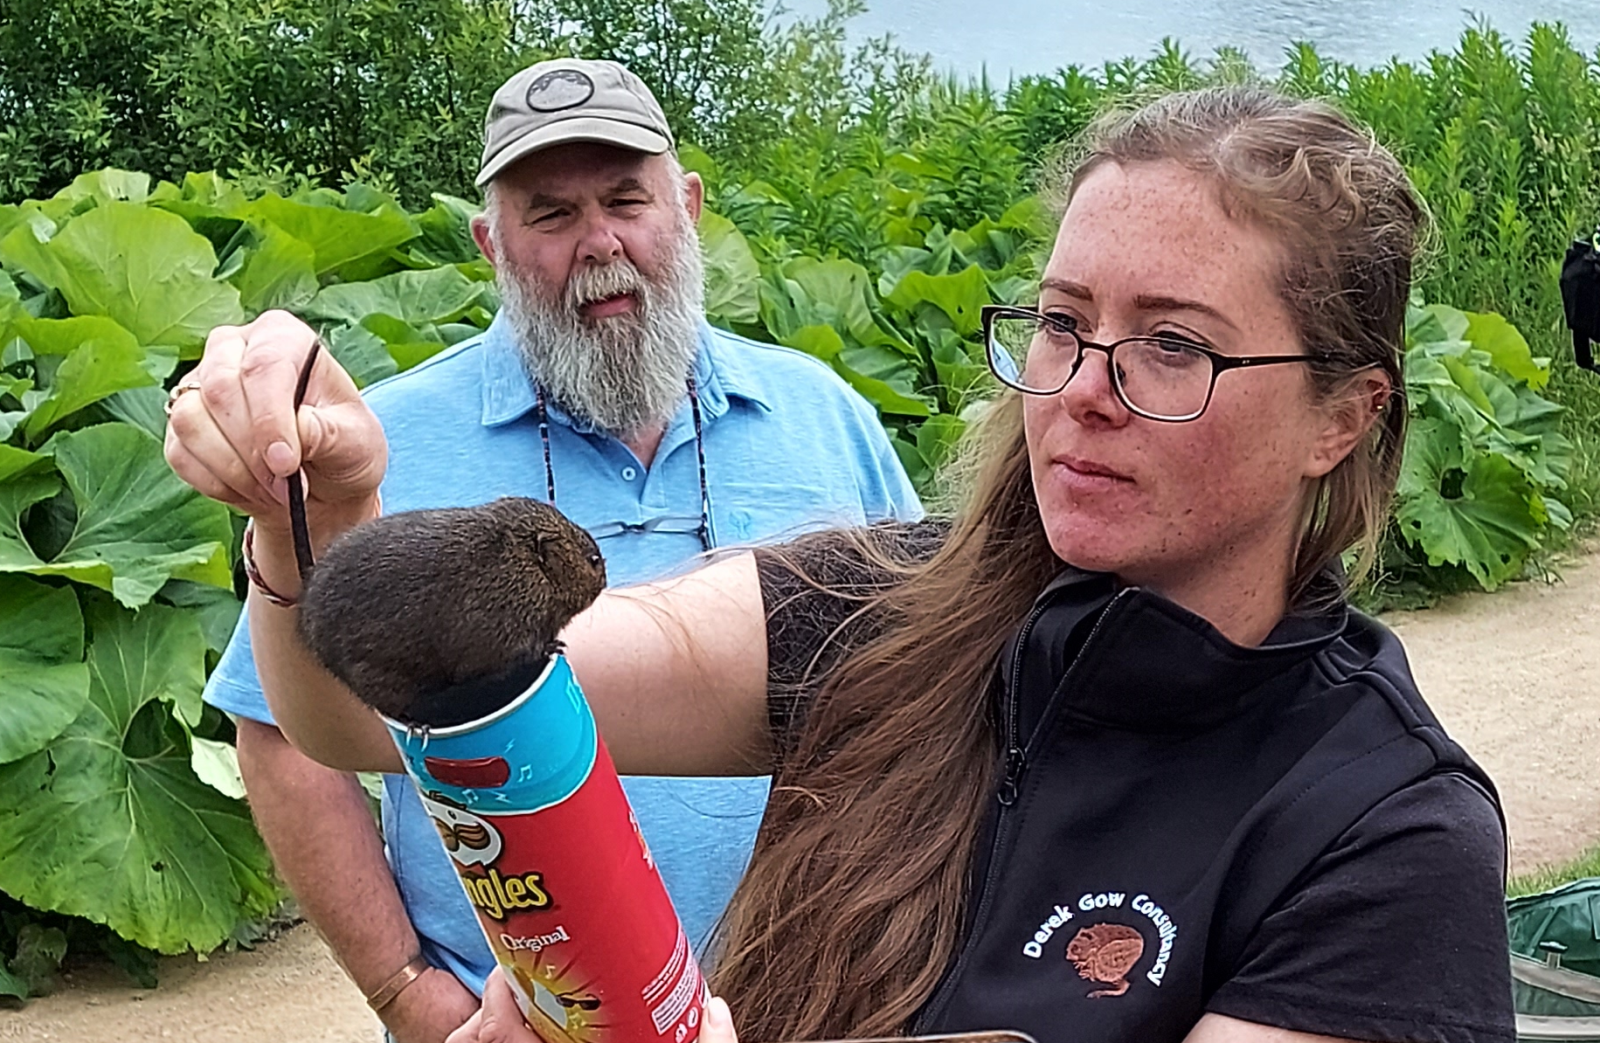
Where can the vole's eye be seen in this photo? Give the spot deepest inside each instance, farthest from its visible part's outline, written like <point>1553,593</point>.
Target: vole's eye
<point>595,558</point>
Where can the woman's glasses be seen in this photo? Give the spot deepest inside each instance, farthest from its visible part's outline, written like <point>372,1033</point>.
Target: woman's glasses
<point>1165,377</point>
<point>662,524</point>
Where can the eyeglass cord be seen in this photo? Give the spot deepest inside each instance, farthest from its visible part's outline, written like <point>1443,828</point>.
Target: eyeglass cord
<point>704,532</point>
<point>300,531</point>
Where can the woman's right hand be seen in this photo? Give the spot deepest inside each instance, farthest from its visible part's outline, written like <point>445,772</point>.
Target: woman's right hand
<point>500,1020</point>
<point>235,435</point>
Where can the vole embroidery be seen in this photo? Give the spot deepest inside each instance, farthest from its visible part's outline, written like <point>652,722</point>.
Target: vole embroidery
<point>429,616</point>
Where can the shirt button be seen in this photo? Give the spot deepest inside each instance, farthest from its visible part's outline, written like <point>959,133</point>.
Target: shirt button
<point>629,474</point>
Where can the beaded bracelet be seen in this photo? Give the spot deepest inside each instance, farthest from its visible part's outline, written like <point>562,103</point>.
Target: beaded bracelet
<point>254,573</point>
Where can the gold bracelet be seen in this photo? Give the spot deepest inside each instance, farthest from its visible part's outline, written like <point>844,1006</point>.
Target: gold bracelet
<point>397,983</point>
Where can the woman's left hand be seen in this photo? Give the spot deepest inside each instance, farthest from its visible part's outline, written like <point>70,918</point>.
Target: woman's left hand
<point>500,1019</point>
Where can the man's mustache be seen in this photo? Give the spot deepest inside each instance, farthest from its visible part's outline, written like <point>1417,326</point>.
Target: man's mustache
<point>589,285</point>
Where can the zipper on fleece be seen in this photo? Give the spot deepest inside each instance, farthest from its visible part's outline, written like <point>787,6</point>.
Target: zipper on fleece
<point>1007,794</point>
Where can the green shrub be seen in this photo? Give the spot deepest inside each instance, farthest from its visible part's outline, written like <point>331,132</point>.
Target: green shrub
<point>1485,460</point>
<point>119,798</point>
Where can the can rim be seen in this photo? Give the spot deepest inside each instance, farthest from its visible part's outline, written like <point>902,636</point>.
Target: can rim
<point>481,722</point>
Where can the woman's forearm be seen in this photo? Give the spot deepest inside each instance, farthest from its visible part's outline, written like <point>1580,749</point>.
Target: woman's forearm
<point>677,672</point>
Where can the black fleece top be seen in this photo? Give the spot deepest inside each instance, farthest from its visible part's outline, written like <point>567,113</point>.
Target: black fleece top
<point>1282,835</point>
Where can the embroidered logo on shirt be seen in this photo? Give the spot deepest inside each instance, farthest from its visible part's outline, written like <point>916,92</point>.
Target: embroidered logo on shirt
<point>1105,953</point>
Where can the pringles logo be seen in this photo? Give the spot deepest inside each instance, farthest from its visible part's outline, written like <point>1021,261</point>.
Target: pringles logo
<point>499,895</point>
<point>474,844</point>
<point>471,839</point>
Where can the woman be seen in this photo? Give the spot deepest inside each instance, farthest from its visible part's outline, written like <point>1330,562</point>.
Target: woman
<point>1106,757</point>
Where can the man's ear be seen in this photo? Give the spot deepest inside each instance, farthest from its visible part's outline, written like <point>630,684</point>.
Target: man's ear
<point>694,195</point>
<point>1350,415</point>
<point>481,236</point>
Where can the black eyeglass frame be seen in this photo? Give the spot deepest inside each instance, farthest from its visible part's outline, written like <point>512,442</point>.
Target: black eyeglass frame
<point>1220,363</point>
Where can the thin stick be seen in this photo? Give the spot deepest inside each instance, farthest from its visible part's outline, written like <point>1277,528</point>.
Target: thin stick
<point>297,493</point>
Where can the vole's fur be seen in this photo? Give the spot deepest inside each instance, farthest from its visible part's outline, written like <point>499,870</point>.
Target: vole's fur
<point>411,604</point>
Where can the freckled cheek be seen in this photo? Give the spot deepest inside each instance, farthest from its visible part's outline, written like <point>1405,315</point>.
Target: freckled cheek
<point>1186,480</point>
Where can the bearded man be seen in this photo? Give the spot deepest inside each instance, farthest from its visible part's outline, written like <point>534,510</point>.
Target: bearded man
<point>599,386</point>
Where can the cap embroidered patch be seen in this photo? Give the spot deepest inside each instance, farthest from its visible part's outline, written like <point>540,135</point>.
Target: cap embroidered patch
<point>560,89</point>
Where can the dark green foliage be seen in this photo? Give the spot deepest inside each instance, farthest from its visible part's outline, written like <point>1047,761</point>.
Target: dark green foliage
<point>286,93</point>
<point>394,89</point>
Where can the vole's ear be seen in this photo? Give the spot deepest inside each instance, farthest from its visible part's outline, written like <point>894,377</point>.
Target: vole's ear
<point>539,540</point>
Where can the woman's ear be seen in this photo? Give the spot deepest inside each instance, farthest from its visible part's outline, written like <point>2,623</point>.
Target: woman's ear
<point>1349,415</point>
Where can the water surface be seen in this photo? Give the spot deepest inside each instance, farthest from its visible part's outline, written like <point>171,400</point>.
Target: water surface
<point>1032,36</point>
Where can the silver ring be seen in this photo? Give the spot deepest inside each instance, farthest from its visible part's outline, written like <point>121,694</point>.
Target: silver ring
<point>176,393</point>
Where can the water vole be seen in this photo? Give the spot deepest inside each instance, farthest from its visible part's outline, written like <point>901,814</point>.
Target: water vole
<point>438,616</point>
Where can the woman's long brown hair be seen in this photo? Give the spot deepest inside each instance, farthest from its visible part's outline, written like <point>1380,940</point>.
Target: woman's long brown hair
<point>856,894</point>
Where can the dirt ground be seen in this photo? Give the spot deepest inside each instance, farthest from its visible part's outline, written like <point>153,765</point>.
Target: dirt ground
<point>1515,677</point>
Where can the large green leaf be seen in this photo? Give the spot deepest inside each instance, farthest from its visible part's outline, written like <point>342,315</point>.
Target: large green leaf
<point>337,237</point>
<point>1488,525</point>
<point>878,375</point>
<point>279,273</point>
<point>145,408</point>
<point>732,276</point>
<point>363,354</point>
<point>416,297</point>
<point>111,823</point>
<point>108,185</point>
<point>958,297</point>
<point>1508,349</point>
<point>446,232</point>
<point>43,680</point>
<point>835,293</point>
<point>16,496</point>
<point>19,461</point>
<point>138,524</point>
<point>217,609</point>
<point>141,266</point>
<point>11,985</point>
<point>406,344</point>
<point>1434,323</point>
<point>885,378</point>
<point>102,358</point>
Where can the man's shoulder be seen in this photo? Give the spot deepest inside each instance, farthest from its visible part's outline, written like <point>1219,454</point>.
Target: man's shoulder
<point>778,375</point>
<point>451,378</point>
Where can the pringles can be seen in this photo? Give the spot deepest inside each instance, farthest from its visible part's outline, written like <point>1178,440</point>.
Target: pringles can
<point>532,813</point>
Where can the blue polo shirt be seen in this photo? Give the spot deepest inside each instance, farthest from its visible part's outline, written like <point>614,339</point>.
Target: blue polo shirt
<point>788,447</point>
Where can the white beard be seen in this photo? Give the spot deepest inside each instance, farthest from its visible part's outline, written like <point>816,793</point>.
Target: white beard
<point>625,373</point>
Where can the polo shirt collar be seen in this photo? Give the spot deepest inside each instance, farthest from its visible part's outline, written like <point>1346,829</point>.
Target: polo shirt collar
<point>508,393</point>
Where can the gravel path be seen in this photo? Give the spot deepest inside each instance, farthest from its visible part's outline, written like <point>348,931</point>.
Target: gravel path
<point>1515,677</point>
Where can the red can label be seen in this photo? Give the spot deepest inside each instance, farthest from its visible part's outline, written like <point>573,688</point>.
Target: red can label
<point>576,914</point>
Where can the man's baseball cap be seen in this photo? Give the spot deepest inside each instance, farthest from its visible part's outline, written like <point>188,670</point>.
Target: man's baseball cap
<point>570,99</point>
